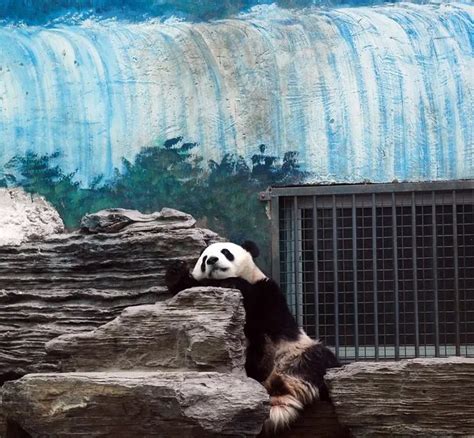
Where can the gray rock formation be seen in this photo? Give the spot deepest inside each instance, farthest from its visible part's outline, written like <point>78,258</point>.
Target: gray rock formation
<point>136,404</point>
<point>68,284</point>
<point>418,397</point>
<point>26,217</point>
<point>75,282</point>
<point>198,329</point>
<point>115,220</point>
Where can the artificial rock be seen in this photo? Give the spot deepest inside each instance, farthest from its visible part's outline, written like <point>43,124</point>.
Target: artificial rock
<point>198,329</point>
<point>416,397</point>
<point>135,404</point>
<point>74,282</point>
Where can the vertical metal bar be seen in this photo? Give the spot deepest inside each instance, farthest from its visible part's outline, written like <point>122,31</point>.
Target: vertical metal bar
<point>415,274</point>
<point>395,278</point>
<point>336,274</point>
<point>374,265</point>
<point>316,268</point>
<point>435,272</point>
<point>296,259</point>
<point>275,230</point>
<point>354,273</point>
<point>457,309</point>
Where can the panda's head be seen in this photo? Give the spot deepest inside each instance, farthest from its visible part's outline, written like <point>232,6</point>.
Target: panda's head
<point>225,260</point>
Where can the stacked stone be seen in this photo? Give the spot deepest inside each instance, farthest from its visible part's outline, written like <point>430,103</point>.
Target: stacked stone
<point>53,282</point>
<point>175,368</point>
<point>159,369</point>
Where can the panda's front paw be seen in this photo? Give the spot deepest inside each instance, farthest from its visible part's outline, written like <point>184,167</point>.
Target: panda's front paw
<point>176,273</point>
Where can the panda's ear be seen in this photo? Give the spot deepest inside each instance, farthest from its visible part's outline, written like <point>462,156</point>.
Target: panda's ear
<point>251,247</point>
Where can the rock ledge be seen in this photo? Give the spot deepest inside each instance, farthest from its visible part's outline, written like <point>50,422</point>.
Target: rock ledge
<point>417,397</point>
<point>136,404</point>
<point>198,329</point>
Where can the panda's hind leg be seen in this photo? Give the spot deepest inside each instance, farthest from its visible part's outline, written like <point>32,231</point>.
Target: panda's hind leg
<point>311,367</point>
<point>288,397</point>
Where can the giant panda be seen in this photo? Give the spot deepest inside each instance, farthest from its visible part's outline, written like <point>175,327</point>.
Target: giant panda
<point>279,354</point>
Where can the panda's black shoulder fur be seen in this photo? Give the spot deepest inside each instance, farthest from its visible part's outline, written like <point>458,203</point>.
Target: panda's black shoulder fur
<point>267,311</point>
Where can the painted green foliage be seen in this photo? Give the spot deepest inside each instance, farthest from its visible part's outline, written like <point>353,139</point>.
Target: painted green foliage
<point>222,195</point>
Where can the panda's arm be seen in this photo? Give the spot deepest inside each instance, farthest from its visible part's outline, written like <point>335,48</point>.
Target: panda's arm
<point>271,311</point>
<point>178,277</point>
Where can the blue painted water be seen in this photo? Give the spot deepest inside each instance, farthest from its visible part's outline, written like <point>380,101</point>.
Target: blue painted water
<point>368,93</point>
<point>38,11</point>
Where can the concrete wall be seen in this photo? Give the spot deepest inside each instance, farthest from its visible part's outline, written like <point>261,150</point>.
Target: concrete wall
<point>364,93</point>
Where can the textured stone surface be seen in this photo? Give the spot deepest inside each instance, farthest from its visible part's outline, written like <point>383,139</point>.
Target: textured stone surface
<point>114,220</point>
<point>418,397</point>
<point>137,404</point>
<point>75,282</point>
<point>25,217</point>
<point>198,329</point>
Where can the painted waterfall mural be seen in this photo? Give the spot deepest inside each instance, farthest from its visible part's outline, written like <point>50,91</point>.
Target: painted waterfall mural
<point>200,105</point>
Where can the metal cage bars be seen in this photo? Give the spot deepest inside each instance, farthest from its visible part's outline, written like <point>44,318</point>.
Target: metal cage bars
<point>366,267</point>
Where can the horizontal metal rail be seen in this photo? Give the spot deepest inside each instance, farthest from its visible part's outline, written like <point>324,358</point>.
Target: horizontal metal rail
<point>349,189</point>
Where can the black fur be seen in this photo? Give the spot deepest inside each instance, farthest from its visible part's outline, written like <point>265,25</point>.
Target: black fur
<point>211,260</point>
<point>278,386</point>
<point>203,264</point>
<point>313,365</point>
<point>178,278</point>
<point>251,247</point>
<point>229,256</point>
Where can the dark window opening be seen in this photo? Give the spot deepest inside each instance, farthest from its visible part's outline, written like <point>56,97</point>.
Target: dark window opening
<point>383,271</point>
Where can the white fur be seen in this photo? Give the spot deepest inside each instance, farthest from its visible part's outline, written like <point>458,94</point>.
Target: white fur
<point>243,265</point>
<point>287,352</point>
<point>284,410</point>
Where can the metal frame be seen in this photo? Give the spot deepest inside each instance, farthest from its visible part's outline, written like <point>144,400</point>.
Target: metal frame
<point>428,201</point>
<point>349,189</point>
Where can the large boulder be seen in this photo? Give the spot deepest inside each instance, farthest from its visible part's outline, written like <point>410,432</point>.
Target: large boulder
<point>418,397</point>
<point>198,329</point>
<point>26,217</point>
<point>74,282</point>
<point>135,404</point>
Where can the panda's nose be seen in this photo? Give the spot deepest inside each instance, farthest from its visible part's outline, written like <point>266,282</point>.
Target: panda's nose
<point>212,260</point>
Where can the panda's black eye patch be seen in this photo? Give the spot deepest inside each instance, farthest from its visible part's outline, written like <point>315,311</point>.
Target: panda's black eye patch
<point>229,256</point>
<point>203,264</point>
